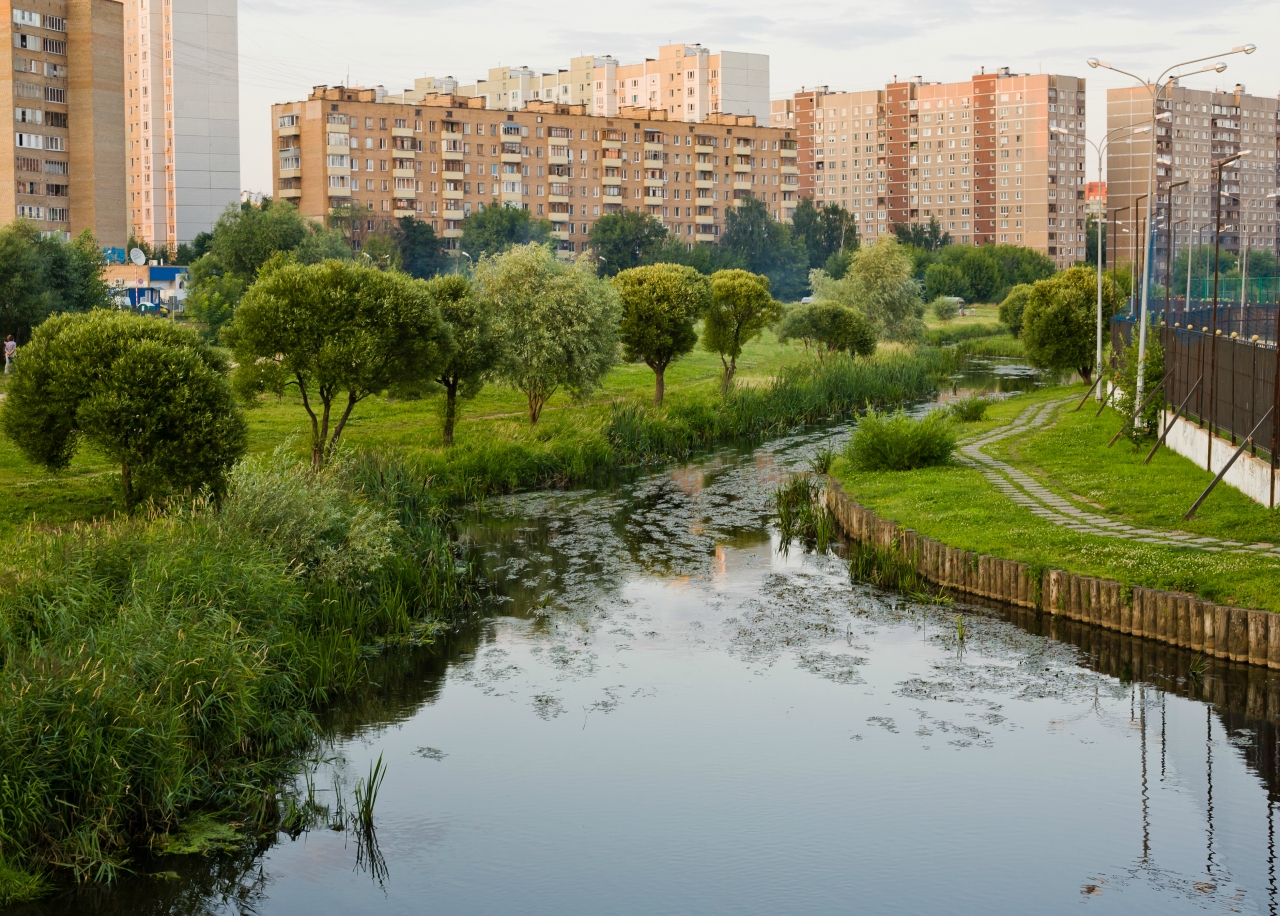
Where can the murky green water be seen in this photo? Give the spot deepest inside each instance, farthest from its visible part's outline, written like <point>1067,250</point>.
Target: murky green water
<point>666,714</point>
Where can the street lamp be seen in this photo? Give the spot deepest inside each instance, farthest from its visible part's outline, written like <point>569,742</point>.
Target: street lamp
<point>1098,148</point>
<point>1155,89</point>
<point>1213,330</point>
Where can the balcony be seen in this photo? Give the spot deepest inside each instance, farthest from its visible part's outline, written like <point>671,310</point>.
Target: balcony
<point>339,192</point>
<point>452,233</point>
<point>290,173</point>
<point>451,195</point>
<point>742,167</point>
<point>652,147</point>
<point>611,144</point>
<point>558,217</point>
<point>704,149</point>
<point>742,186</point>
<point>703,185</point>
<point>290,193</point>
<point>403,173</point>
<point>557,160</point>
<point>704,237</point>
<point>704,220</point>
<point>337,150</point>
<point>607,179</point>
<point>293,131</point>
<point>789,170</point>
<point>400,214</point>
<point>452,154</point>
<point>402,131</point>
<point>654,182</point>
<point>510,157</point>
<point>787,153</point>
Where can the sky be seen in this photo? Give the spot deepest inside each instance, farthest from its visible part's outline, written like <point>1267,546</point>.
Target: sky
<point>287,46</point>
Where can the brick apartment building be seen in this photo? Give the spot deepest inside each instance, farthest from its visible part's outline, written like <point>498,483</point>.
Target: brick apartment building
<point>1204,127</point>
<point>996,159</point>
<point>64,92</point>
<point>443,156</point>
<point>687,81</point>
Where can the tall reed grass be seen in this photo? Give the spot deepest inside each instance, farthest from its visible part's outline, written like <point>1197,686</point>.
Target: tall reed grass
<point>172,663</point>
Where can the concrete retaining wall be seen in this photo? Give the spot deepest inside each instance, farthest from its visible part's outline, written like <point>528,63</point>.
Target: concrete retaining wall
<point>1238,634</point>
<point>1250,475</point>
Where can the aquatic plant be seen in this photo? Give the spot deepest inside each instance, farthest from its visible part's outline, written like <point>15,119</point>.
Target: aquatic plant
<point>969,409</point>
<point>821,460</point>
<point>803,514</point>
<point>888,568</point>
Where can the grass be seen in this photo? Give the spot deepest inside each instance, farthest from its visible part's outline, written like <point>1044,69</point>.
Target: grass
<point>167,669</point>
<point>957,506</point>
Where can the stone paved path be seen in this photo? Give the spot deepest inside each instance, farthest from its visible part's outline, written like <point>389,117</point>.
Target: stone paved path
<point>1026,491</point>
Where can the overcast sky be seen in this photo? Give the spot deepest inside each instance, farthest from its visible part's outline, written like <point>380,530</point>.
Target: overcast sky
<point>287,46</point>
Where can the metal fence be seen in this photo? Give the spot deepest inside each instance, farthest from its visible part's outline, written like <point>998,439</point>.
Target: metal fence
<point>1225,383</point>
<point>1242,321</point>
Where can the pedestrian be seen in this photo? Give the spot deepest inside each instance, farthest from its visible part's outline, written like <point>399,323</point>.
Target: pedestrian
<point>10,348</point>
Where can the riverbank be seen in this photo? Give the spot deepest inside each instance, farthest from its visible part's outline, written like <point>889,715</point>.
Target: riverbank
<point>1066,458</point>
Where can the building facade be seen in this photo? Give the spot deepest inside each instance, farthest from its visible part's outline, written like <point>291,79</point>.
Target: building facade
<point>1179,159</point>
<point>65,97</point>
<point>182,116</point>
<point>445,156</point>
<point>687,81</point>
<point>996,159</point>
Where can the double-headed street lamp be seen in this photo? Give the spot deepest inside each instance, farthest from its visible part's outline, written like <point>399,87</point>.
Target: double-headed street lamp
<point>1155,90</point>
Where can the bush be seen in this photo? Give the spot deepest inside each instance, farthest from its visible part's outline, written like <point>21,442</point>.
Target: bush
<point>969,409</point>
<point>944,308</point>
<point>1013,306</point>
<point>1126,379</point>
<point>897,442</point>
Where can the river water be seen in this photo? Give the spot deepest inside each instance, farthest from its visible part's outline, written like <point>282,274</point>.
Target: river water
<point>665,712</point>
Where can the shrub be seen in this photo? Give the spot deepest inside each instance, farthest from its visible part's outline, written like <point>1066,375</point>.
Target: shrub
<point>1126,379</point>
<point>897,442</point>
<point>1060,320</point>
<point>969,409</point>
<point>944,308</point>
<point>1013,306</point>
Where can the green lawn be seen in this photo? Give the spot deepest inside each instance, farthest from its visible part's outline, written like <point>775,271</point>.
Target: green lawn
<point>957,506</point>
<point>87,489</point>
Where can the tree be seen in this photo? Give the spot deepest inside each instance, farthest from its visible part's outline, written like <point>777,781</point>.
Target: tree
<point>1092,227</point>
<point>246,236</point>
<point>335,329</point>
<point>705,259</point>
<point>199,247</point>
<point>559,322</point>
<point>879,284</point>
<point>825,231</point>
<point>828,327</point>
<point>147,394</point>
<point>497,228</point>
<point>1013,306</point>
<point>477,344</point>
<point>40,276</point>
<point>625,240</point>
<point>928,238</point>
<point>766,246</point>
<point>1059,322</point>
<point>741,308</point>
<point>421,250</point>
<point>212,302</point>
<point>945,280</point>
<point>660,304</point>
<point>380,251</point>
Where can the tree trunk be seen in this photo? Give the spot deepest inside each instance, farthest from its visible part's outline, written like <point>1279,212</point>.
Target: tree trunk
<point>450,411</point>
<point>126,485</point>
<point>660,387</point>
<point>730,368</point>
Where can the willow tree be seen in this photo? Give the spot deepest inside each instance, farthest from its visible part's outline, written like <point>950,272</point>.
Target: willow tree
<point>477,344</point>
<point>660,305</point>
<point>741,308</point>
<point>339,332</point>
<point>559,322</point>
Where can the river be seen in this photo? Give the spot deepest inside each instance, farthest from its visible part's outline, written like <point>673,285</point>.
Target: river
<point>665,712</point>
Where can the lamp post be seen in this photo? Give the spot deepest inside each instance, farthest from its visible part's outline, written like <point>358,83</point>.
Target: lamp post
<point>1155,89</point>
<point>1213,322</point>
<point>1135,260</point>
<point>1098,148</point>
<point>1168,251</point>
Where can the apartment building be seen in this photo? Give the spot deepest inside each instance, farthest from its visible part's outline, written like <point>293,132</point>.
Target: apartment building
<point>182,116</point>
<point>996,159</point>
<point>1095,198</point>
<point>1203,127</point>
<point>687,81</point>
<point>64,89</point>
<point>445,156</point>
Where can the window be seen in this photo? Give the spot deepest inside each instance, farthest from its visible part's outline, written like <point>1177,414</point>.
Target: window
<point>338,181</point>
<point>54,94</point>
<point>25,212</point>
<point>26,17</point>
<point>290,120</point>
<point>55,23</point>
<point>290,162</point>
<point>337,160</point>
<point>55,46</point>
<point>29,141</point>
<point>28,115</point>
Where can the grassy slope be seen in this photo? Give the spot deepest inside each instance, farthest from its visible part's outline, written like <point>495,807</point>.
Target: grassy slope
<point>957,506</point>
<point>86,489</point>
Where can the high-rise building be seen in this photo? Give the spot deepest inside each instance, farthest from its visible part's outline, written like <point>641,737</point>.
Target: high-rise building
<point>65,97</point>
<point>687,81</point>
<point>1203,128</point>
<point>443,157</point>
<point>182,115</point>
<point>996,159</point>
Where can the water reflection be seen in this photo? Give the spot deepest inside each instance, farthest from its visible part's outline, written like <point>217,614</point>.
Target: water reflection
<point>664,713</point>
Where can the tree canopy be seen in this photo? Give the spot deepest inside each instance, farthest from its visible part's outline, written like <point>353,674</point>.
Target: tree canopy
<point>929,237</point>
<point>766,246</point>
<point>660,304</point>
<point>40,276</point>
<point>559,322</point>
<point>335,329</point>
<point>477,344</point>
<point>1059,323</point>
<point>625,240</point>
<point>498,228</point>
<point>828,327</point>
<point>878,283</point>
<point>741,308</point>
<point>421,250</point>
<point>149,395</point>
<point>826,231</point>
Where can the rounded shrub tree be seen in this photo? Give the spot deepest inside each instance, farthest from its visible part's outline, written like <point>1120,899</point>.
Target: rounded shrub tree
<point>1013,306</point>
<point>152,397</point>
<point>828,327</point>
<point>741,308</point>
<point>477,344</point>
<point>1059,323</point>
<point>660,304</point>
